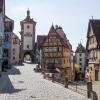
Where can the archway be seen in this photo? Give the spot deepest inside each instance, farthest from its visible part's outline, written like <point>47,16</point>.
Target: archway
<point>27,57</point>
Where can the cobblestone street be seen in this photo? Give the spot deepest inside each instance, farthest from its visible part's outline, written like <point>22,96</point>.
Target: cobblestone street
<point>22,83</point>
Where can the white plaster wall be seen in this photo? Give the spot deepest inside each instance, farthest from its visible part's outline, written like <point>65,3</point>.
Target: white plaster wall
<point>28,29</point>
<point>16,55</point>
<point>83,62</point>
<point>28,40</point>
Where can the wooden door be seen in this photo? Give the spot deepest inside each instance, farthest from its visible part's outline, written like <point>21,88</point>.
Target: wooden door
<point>96,75</point>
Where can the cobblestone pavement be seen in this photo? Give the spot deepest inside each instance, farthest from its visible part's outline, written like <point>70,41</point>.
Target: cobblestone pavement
<point>82,88</point>
<point>22,83</point>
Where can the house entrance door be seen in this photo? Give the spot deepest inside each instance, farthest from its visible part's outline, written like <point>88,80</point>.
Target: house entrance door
<point>96,75</point>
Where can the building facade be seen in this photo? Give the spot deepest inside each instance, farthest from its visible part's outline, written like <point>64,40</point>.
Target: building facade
<point>56,53</point>
<point>80,60</point>
<point>8,30</point>
<point>38,47</point>
<point>15,50</point>
<point>93,49</point>
<point>2,14</point>
<point>27,38</point>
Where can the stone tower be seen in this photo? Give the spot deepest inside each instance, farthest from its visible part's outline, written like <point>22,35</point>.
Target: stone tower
<point>27,38</point>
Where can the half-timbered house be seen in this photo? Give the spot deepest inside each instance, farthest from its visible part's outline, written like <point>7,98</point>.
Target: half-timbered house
<point>56,53</point>
<point>93,49</point>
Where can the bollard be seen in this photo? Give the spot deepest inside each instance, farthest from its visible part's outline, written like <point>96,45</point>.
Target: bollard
<point>53,77</point>
<point>66,82</point>
<point>76,86</point>
<point>89,89</point>
<point>44,75</point>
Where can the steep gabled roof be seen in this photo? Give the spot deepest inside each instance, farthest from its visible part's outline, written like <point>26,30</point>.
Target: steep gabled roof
<point>15,36</point>
<point>52,29</point>
<point>6,17</point>
<point>80,49</point>
<point>95,24</point>
<point>63,37</point>
<point>59,31</point>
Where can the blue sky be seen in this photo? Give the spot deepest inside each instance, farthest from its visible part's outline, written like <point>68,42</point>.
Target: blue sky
<point>72,15</point>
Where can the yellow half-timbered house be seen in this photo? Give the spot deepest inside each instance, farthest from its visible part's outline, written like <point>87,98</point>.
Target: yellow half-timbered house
<point>56,53</point>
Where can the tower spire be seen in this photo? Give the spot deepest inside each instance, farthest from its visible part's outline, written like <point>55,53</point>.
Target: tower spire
<point>28,12</point>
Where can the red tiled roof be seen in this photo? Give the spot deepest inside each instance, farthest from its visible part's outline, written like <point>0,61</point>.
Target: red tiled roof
<point>62,35</point>
<point>60,31</point>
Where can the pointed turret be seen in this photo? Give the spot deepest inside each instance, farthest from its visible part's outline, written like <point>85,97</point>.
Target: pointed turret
<point>28,12</point>
<point>28,18</point>
<point>52,29</point>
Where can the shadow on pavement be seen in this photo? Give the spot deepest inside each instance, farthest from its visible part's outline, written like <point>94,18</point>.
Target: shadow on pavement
<point>13,71</point>
<point>6,86</point>
<point>94,95</point>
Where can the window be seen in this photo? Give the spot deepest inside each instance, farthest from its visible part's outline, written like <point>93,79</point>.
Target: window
<point>80,69</point>
<point>51,49</point>
<point>27,46</point>
<point>28,34</point>
<point>28,26</point>
<point>80,59</point>
<point>80,64</point>
<point>53,61</point>
<point>13,49</point>
<point>6,37</point>
<point>80,54</point>
<point>13,58</point>
<point>13,53</point>
<point>15,40</point>
<point>5,53</point>
<point>58,48</point>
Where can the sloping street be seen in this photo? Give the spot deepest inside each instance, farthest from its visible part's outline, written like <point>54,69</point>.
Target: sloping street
<point>22,83</point>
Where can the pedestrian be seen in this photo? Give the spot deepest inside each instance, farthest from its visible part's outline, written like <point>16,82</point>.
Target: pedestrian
<point>88,76</point>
